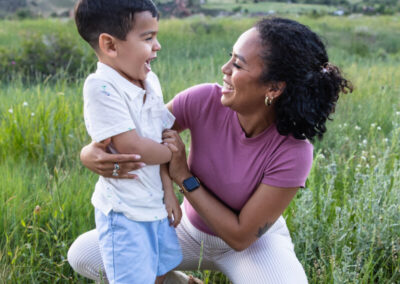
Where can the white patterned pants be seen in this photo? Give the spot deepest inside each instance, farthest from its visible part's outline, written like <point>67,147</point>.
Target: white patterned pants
<point>271,259</point>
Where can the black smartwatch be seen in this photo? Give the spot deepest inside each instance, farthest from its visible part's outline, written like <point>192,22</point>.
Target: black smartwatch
<point>190,184</point>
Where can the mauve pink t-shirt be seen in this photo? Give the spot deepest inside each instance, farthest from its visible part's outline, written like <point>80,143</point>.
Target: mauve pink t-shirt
<point>229,164</point>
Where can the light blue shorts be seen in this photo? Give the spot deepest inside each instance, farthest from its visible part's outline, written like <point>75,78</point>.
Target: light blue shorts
<point>136,252</point>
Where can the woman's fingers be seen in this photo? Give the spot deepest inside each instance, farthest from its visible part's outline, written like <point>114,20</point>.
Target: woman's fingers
<point>171,137</point>
<point>172,147</point>
<point>170,133</point>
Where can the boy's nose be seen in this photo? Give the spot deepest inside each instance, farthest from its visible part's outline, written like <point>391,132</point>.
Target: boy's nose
<point>157,45</point>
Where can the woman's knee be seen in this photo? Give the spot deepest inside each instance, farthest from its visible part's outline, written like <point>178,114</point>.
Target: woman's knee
<point>84,255</point>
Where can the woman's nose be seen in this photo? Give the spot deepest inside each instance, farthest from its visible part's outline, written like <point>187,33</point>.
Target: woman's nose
<point>226,69</point>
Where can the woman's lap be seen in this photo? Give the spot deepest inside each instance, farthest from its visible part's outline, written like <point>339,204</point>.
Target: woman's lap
<point>271,259</point>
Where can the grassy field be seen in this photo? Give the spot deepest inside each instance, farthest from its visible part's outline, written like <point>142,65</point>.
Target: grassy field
<point>345,223</point>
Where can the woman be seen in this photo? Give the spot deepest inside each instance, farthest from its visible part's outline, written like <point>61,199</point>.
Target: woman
<point>250,153</point>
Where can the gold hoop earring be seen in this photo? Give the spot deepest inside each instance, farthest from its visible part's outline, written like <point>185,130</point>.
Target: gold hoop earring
<point>268,101</point>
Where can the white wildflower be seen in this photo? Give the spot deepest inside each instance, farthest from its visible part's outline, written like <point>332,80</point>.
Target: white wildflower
<point>367,166</point>
<point>385,140</point>
<point>32,114</point>
<point>379,128</point>
<point>397,112</point>
<point>373,125</point>
<point>365,141</point>
<point>25,104</point>
<point>358,128</point>
<point>363,158</point>
<point>10,110</point>
<point>373,156</point>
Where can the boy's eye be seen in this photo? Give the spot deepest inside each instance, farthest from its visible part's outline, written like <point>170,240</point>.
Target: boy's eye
<point>149,38</point>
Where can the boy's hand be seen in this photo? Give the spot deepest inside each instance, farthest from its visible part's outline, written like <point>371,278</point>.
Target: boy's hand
<point>173,208</point>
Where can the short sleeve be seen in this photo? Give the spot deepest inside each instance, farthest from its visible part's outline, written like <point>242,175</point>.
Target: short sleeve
<point>105,110</point>
<point>168,119</point>
<point>190,104</point>
<point>290,165</point>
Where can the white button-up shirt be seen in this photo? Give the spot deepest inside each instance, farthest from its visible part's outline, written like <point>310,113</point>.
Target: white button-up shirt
<point>113,105</point>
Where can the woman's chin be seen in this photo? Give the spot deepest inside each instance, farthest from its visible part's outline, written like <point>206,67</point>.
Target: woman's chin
<point>226,100</point>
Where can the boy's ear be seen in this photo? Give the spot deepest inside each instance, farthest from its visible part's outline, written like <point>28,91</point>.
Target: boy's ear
<point>107,45</point>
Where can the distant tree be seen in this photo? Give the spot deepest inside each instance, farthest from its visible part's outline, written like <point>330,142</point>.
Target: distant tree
<point>11,6</point>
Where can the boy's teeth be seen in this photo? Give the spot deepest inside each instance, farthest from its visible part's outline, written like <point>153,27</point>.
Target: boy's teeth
<point>147,63</point>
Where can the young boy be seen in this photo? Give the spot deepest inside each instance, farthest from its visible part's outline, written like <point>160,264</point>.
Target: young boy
<point>123,101</point>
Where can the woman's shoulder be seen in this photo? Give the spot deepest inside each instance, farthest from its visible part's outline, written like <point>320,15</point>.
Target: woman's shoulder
<point>285,146</point>
<point>289,162</point>
<point>299,146</point>
<point>193,104</point>
<point>202,91</point>
<point>199,97</point>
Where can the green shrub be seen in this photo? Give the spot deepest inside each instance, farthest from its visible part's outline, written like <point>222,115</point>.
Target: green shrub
<point>43,55</point>
<point>25,13</point>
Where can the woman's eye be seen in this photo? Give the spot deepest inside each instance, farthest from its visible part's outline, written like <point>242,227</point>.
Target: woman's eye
<point>236,65</point>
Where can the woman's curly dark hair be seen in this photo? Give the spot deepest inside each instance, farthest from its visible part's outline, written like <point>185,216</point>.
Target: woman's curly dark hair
<point>295,55</point>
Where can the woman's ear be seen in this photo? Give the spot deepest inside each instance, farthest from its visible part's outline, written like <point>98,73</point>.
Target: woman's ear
<point>107,45</point>
<point>275,89</point>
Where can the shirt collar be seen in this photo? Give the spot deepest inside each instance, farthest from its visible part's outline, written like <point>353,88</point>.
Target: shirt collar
<point>108,72</point>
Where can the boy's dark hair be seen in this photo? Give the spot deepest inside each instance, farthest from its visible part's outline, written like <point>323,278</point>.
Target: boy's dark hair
<point>115,17</point>
<point>295,55</point>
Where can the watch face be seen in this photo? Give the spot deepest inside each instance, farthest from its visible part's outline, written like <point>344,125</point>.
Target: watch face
<point>191,184</point>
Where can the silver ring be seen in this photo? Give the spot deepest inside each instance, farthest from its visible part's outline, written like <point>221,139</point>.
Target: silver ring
<point>115,170</point>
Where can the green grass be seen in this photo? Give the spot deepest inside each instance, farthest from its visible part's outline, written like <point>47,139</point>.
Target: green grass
<point>344,224</point>
<point>12,32</point>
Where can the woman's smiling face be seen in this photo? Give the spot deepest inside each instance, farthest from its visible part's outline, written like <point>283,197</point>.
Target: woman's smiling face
<point>242,89</point>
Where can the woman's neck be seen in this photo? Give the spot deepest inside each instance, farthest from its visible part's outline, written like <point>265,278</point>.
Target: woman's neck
<point>255,123</point>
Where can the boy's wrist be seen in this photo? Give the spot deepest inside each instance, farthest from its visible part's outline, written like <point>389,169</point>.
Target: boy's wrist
<point>168,189</point>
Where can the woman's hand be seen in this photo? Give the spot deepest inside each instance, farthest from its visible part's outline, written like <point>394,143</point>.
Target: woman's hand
<point>178,168</point>
<point>96,159</point>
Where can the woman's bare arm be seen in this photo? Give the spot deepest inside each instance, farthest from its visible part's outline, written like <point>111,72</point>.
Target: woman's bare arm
<point>96,159</point>
<point>238,231</point>
<point>257,216</point>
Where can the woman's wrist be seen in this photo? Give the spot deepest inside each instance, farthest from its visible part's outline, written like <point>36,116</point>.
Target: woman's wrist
<point>182,176</point>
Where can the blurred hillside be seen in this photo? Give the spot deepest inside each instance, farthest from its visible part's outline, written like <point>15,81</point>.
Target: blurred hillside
<point>29,8</point>
<point>182,8</point>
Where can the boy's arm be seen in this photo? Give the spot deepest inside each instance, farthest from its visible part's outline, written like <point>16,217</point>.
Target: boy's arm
<point>170,200</point>
<point>132,143</point>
